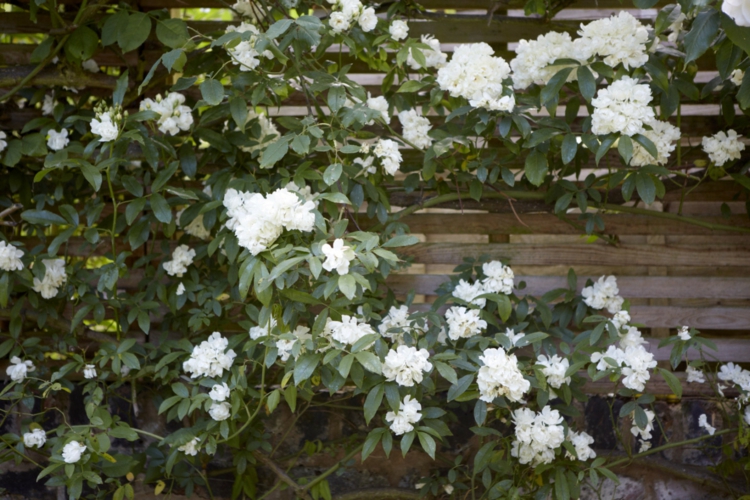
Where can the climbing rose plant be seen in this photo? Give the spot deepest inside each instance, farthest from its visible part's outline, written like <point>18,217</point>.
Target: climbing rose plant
<point>227,262</point>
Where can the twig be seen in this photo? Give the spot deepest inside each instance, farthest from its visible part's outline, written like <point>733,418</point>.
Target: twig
<point>13,208</point>
<point>300,491</point>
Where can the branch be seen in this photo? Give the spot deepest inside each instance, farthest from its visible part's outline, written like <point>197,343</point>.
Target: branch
<point>300,491</point>
<point>334,468</point>
<point>13,208</point>
<point>32,75</point>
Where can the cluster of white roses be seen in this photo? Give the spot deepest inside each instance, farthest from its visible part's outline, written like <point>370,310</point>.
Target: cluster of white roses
<point>10,257</point>
<point>408,414</point>
<point>554,368</point>
<point>54,277</point>
<point>182,257</point>
<point>415,128</point>
<point>244,53</point>
<point>581,442</point>
<point>258,220</point>
<point>18,369</point>
<point>173,114</point>
<point>285,346</point>
<point>603,293</point>
<point>347,331</point>
<point>538,435</point>
<point>434,57</point>
<point>737,375</point>
<point>351,11</point>
<point>723,147</point>
<point>630,357</point>
<point>644,435</point>
<point>476,75</point>
<point>220,408</point>
<point>105,127</point>
<point>406,364</point>
<point>396,324</point>
<point>500,376</point>
<point>209,359</point>
<point>620,39</point>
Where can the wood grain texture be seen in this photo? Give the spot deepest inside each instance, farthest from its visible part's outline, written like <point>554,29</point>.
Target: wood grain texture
<point>600,254</point>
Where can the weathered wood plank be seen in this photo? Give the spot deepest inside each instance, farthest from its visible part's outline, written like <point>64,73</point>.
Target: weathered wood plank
<point>600,254</point>
<point>631,287</point>
<point>504,223</point>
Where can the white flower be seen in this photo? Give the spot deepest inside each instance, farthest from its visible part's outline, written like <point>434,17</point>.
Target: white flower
<point>72,452</point>
<point>259,331</point>
<point>173,114</point>
<point>398,30</point>
<point>533,62</point>
<point>259,220</point>
<point>737,76</point>
<point>554,369</point>
<point>723,147</point>
<point>268,131</point>
<point>54,277</point>
<point>474,74</point>
<point>738,10</point>
<point>18,369</point>
<point>37,438</point>
<point>603,293</point>
<point>390,157</point>
<point>48,105</point>
<point>180,289</point>
<point>89,372</point>
<point>735,374</point>
<point>513,337</point>
<point>747,415</point>
<point>500,376</point>
<point>57,140</point>
<point>220,411</point>
<point>434,58</point>
<point>638,361</point>
<point>378,103</point>
<point>190,448</point>
<point>182,257</point>
<point>3,142</point>
<point>244,54</point>
<point>499,278</point>
<point>349,330</point>
<point>209,359</point>
<point>645,433</point>
<point>694,375</point>
<point>684,333</point>
<point>124,370</point>
<point>582,443</point>
<point>622,108</point>
<point>703,422</point>
<point>219,392</point>
<point>663,135</point>
<point>408,414</point>
<point>464,323</point>
<point>405,365</point>
<point>195,227</point>
<point>10,257</point>
<point>339,22</point>
<point>448,488</point>
<point>631,338</point>
<point>104,127</point>
<point>415,128</point>
<point>397,319</point>
<point>338,256</point>
<point>620,39</point>
<point>368,20</point>
<point>468,293</point>
<point>620,319</point>
<point>537,435</point>
<point>90,65</point>
<point>304,192</point>
<point>285,347</point>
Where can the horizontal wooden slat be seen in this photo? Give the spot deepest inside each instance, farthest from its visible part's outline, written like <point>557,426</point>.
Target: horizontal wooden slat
<point>631,287</point>
<point>508,223</point>
<point>600,254</point>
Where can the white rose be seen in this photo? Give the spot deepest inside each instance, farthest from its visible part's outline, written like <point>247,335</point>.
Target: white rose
<point>220,411</point>
<point>219,392</point>
<point>57,140</point>
<point>399,30</point>
<point>72,452</point>
<point>37,438</point>
<point>738,10</point>
<point>89,372</point>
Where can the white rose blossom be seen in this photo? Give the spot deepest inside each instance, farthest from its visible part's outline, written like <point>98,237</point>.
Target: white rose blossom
<point>433,56</point>
<point>499,278</point>
<point>703,422</point>
<point>469,291</point>
<point>54,277</point>
<point>10,257</point>
<point>285,346</point>
<point>398,30</point>
<point>405,365</point>
<point>57,140</point>
<point>36,437</point>
<point>538,435</point>
<point>18,369</point>
<point>582,442</point>
<point>415,128</point>
<point>408,414</point>
<point>738,10</point>
<point>209,359</point>
<point>104,127</point>
<point>89,371</point>
<point>191,447</point>
<point>694,375</point>
<point>623,108</point>
<point>464,323</point>
<point>72,452</point>
<point>182,257</point>
<point>3,142</point>
<point>723,147</point>
<point>500,376</point>
<point>349,330</point>
<point>220,411</point>
<point>219,392</point>
<point>338,256</point>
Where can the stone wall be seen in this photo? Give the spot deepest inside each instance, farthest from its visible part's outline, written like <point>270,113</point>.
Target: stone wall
<point>679,473</point>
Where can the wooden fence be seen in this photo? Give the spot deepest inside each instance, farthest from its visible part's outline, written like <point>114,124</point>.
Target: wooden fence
<point>674,273</point>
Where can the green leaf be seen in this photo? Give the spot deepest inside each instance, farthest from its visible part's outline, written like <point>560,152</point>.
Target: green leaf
<point>625,148</point>
<point>411,86</point>
<point>113,26</point>
<point>42,217</point>
<point>739,35</point>
<point>92,175</point>
<point>647,144</point>
<point>569,148</point>
<point>212,91</point>
<point>332,173</point>
<point>403,240</point>
<point>336,98</point>
<point>120,88</point>
<point>274,397</point>
<point>278,28</point>
<point>555,84</point>
<point>372,440</point>
<point>672,381</point>
<point>460,387</point>
<point>82,44</point>
<point>136,31</point>
<point>172,32</point>
<point>373,401</point>
<point>428,443</point>
<point>646,187</point>
<point>134,208</point>
<point>161,209</point>
<point>305,366</point>
<point>483,457</point>
<point>586,83</point>
<point>273,153</point>
<point>238,109</point>
<point>174,59</point>
<point>348,286</point>
<point>4,294</point>
<point>536,167</point>
<point>704,30</point>
<point>369,361</point>
<point>446,371</point>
